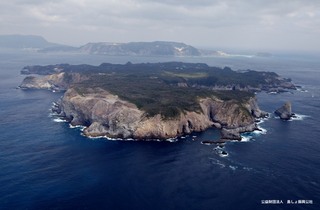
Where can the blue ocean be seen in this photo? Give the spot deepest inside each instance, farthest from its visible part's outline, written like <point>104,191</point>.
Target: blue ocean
<point>45,164</point>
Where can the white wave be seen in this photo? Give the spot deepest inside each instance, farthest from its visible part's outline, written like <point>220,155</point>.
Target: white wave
<point>223,155</point>
<point>302,90</point>
<point>81,127</point>
<point>300,117</point>
<point>245,138</point>
<point>172,140</point>
<point>217,162</point>
<point>220,164</point>
<point>106,137</point>
<point>233,167</point>
<point>59,120</point>
<point>52,114</point>
<point>220,151</point>
<point>113,139</point>
<point>260,131</point>
<point>262,120</point>
<point>247,168</point>
<point>296,117</point>
<point>263,130</point>
<point>93,137</point>
<point>208,144</point>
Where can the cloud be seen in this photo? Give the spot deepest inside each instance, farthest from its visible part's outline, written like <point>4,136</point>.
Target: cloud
<point>200,22</point>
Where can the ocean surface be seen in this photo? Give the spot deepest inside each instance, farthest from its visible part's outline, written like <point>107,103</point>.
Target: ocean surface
<point>45,164</point>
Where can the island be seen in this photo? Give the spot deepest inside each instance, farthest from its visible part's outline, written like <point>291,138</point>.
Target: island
<point>284,112</point>
<point>156,100</point>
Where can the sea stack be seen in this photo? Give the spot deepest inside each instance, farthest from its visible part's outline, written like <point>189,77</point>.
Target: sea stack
<point>285,112</point>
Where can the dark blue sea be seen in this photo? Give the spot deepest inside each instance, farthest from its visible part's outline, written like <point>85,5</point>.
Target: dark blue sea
<point>45,164</point>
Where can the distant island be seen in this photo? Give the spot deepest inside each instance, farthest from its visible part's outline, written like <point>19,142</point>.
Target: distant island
<point>156,100</point>
<point>29,42</point>
<point>156,48</point>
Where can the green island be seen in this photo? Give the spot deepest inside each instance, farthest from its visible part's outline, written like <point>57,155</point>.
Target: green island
<point>215,96</point>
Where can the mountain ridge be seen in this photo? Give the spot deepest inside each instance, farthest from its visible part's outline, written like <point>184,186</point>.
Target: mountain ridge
<point>153,48</point>
<point>18,41</point>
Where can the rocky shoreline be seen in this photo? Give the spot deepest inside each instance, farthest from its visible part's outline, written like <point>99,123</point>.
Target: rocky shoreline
<point>285,112</point>
<point>106,115</point>
<point>88,102</point>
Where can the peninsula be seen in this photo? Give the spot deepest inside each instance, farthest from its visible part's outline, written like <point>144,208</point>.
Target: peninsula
<point>156,100</point>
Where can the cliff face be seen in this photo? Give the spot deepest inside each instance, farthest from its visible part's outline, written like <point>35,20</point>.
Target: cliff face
<point>169,89</point>
<point>105,114</point>
<point>285,112</point>
<point>102,112</point>
<point>59,81</point>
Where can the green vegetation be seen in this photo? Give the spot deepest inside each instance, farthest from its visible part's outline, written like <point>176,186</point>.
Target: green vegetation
<point>154,88</point>
<point>237,95</point>
<point>150,95</point>
<point>155,96</point>
<point>187,76</point>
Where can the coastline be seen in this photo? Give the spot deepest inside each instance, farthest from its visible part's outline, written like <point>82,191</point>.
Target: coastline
<point>91,99</point>
<point>186,123</point>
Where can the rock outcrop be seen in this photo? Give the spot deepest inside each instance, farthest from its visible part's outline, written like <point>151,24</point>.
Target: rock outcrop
<point>285,112</point>
<point>59,81</point>
<point>105,114</point>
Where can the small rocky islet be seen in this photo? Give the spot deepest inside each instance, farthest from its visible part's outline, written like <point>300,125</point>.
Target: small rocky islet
<point>156,100</point>
<point>285,111</point>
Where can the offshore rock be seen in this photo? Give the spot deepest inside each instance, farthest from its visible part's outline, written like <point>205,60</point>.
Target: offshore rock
<point>234,133</point>
<point>285,112</point>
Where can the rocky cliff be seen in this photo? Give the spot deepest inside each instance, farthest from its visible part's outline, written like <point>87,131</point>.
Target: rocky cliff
<point>58,81</point>
<point>105,114</point>
<point>156,100</point>
<point>285,112</point>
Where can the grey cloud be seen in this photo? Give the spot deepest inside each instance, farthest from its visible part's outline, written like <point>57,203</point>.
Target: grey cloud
<point>185,3</point>
<point>197,22</point>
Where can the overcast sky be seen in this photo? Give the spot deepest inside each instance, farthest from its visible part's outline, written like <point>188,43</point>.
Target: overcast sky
<point>251,24</point>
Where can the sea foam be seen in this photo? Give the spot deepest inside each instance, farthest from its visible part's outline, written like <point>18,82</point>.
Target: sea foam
<point>59,120</point>
<point>300,117</point>
<point>81,127</point>
<point>249,136</point>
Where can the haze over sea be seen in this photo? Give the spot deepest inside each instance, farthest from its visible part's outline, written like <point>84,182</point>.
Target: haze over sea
<point>47,165</point>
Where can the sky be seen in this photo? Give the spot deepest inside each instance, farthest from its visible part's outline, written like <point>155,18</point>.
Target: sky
<point>260,25</point>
